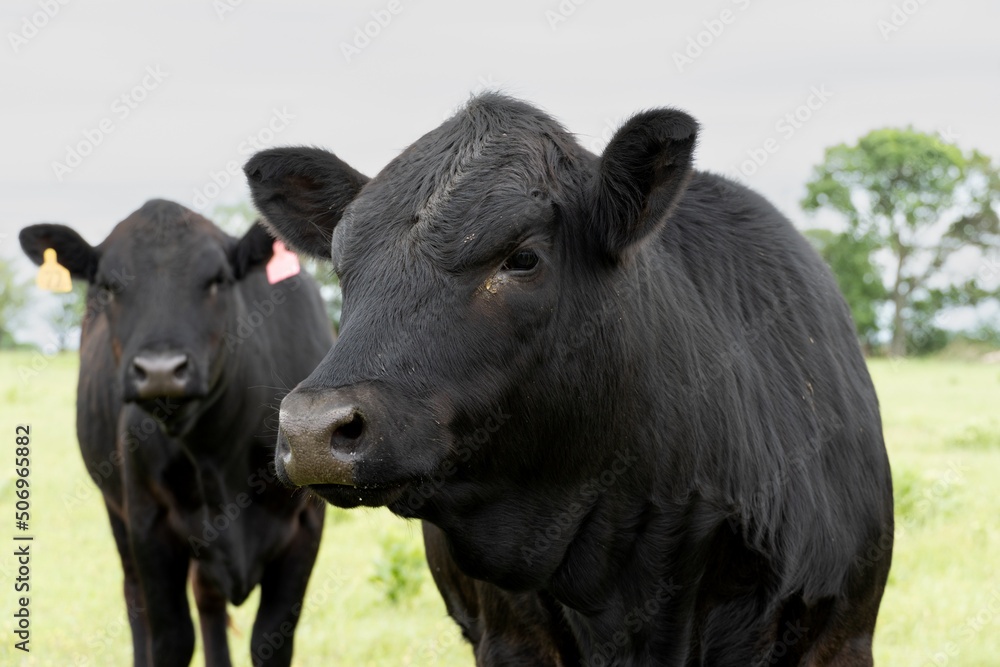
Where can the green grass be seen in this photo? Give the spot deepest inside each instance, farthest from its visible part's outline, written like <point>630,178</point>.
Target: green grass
<point>942,426</point>
<point>77,609</point>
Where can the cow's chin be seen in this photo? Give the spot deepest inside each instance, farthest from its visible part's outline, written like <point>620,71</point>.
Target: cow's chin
<point>175,420</point>
<point>349,497</point>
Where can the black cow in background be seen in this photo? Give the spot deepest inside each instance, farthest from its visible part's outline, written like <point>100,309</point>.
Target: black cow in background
<point>686,451</point>
<point>185,352</point>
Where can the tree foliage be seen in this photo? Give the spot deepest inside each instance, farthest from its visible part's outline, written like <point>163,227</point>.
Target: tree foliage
<point>13,297</point>
<point>917,198</point>
<point>68,317</point>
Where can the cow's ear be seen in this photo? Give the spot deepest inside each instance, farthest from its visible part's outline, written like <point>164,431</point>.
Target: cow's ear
<point>254,249</point>
<point>78,256</point>
<point>302,193</point>
<point>641,175</point>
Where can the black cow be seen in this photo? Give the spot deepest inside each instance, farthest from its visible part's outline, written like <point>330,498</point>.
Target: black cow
<point>615,381</point>
<point>505,628</point>
<point>185,351</point>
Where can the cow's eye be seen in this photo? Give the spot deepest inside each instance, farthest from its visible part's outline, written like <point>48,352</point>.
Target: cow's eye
<point>213,285</point>
<point>522,260</point>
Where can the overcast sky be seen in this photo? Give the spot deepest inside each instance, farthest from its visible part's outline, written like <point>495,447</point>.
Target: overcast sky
<point>161,97</point>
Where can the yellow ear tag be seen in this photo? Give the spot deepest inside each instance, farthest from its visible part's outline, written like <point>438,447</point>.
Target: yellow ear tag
<point>52,276</point>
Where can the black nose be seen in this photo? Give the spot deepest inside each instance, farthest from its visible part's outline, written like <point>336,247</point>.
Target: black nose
<point>318,443</point>
<point>160,375</point>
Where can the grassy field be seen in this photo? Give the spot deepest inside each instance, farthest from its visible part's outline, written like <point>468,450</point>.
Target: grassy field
<point>942,426</point>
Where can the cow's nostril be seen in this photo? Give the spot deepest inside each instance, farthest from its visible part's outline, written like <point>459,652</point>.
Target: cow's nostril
<point>284,449</point>
<point>345,434</point>
<point>160,374</point>
<point>319,441</point>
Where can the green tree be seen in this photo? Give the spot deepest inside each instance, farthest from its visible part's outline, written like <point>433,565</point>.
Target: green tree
<point>858,278</point>
<point>13,296</point>
<point>923,334</point>
<point>915,197</point>
<point>234,219</point>
<point>69,316</point>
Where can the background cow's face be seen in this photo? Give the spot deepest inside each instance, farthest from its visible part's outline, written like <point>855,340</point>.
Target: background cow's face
<point>465,265</point>
<point>163,284</point>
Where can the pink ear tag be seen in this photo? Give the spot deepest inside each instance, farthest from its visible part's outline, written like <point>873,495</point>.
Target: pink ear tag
<point>284,264</point>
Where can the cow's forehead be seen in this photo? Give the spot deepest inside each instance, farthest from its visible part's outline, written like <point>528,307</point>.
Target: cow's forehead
<point>493,147</point>
<point>163,229</point>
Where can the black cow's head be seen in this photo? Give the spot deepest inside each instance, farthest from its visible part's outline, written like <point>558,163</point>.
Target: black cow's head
<point>472,268</point>
<point>163,284</point>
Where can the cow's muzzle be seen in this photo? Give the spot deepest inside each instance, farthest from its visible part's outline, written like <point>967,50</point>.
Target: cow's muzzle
<point>318,441</point>
<point>158,375</point>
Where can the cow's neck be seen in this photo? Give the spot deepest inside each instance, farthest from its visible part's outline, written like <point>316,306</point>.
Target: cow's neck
<point>633,552</point>
<point>225,444</point>
<point>623,559</point>
<point>227,426</point>
<point>231,467</point>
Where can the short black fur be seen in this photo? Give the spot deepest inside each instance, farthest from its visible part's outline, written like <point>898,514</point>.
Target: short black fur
<point>186,468</point>
<point>667,427</point>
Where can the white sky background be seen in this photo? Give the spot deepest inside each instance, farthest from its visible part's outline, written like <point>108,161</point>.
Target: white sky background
<point>224,77</point>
